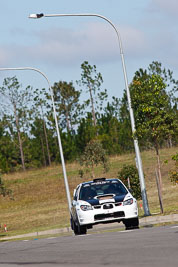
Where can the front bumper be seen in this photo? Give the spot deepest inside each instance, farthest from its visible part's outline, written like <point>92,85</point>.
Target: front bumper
<point>101,215</point>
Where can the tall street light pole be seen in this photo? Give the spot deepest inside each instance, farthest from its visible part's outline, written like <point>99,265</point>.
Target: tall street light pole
<point>57,128</point>
<point>137,150</point>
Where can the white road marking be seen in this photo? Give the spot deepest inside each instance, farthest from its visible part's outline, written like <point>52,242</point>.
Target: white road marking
<point>81,235</point>
<point>175,226</point>
<point>125,231</point>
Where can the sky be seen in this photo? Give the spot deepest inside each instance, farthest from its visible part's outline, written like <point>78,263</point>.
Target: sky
<point>57,46</point>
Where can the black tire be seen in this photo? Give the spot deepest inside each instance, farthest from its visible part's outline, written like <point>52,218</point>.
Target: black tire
<point>74,227</point>
<point>131,223</point>
<point>78,229</point>
<point>82,230</point>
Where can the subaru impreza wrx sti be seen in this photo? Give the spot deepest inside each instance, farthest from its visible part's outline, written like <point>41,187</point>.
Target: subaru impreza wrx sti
<point>102,201</point>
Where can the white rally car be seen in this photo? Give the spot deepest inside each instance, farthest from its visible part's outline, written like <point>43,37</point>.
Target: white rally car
<point>102,201</point>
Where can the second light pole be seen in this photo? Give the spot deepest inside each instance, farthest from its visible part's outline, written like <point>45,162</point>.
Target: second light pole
<point>57,129</point>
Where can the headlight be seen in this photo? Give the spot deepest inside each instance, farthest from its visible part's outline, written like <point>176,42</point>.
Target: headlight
<point>128,201</point>
<point>85,207</point>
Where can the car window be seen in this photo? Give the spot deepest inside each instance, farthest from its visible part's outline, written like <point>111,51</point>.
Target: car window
<point>95,189</point>
<point>87,193</point>
<point>76,193</point>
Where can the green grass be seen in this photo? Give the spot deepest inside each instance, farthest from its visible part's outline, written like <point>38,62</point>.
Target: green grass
<point>40,200</point>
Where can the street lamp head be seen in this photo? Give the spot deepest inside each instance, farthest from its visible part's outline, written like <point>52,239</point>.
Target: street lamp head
<point>36,16</point>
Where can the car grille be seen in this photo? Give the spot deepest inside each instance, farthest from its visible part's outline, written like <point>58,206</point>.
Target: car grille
<point>97,207</point>
<point>118,204</point>
<point>109,215</point>
<point>107,205</point>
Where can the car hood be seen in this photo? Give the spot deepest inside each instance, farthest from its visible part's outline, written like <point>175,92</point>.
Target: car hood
<point>115,199</point>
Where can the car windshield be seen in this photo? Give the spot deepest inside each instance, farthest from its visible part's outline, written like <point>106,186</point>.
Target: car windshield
<point>97,189</point>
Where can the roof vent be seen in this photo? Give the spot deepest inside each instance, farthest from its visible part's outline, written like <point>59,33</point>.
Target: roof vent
<point>99,179</point>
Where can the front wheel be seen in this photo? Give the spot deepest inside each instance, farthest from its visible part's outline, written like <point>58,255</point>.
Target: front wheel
<point>82,230</point>
<point>131,223</point>
<point>74,227</point>
<point>78,229</point>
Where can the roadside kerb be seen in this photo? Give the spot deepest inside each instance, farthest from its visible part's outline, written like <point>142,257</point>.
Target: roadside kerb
<point>158,219</point>
<point>40,233</point>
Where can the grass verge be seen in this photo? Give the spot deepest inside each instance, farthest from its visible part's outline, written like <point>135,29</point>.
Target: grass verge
<point>40,200</point>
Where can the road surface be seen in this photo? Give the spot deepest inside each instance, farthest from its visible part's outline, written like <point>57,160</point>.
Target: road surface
<point>148,247</point>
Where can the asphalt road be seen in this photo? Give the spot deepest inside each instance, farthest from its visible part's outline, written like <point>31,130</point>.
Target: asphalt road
<point>156,246</point>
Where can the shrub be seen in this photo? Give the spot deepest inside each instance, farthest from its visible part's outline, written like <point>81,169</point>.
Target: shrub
<point>129,176</point>
<point>174,172</point>
<point>3,190</point>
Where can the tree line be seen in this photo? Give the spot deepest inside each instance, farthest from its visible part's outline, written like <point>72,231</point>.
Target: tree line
<point>28,136</point>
